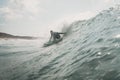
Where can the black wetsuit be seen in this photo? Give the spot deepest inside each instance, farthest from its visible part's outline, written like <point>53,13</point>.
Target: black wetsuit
<point>55,35</point>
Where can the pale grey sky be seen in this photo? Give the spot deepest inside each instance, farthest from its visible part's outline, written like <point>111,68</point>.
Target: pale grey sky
<point>37,17</point>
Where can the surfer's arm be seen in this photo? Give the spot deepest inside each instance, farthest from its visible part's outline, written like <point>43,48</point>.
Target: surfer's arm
<point>50,37</point>
<point>61,33</point>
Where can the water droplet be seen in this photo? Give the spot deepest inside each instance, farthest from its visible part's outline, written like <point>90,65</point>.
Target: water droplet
<point>108,53</point>
<point>99,53</point>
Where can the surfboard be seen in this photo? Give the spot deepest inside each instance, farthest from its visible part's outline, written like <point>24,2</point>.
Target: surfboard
<point>52,42</point>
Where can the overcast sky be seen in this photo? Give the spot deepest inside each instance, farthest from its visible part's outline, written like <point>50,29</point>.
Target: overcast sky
<point>37,17</point>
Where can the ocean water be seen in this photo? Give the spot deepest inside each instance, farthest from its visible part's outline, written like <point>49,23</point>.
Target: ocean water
<point>91,51</point>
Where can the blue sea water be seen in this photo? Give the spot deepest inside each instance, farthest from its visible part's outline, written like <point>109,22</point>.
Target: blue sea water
<point>90,51</point>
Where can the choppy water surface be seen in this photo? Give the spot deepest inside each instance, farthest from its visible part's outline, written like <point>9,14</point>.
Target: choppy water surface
<point>90,52</point>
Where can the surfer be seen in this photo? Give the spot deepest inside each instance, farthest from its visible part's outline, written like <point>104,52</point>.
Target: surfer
<point>55,35</point>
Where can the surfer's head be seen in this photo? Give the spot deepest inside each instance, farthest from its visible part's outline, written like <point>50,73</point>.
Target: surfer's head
<point>51,31</point>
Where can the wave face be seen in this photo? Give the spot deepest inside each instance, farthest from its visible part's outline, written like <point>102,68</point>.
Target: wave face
<point>91,51</point>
